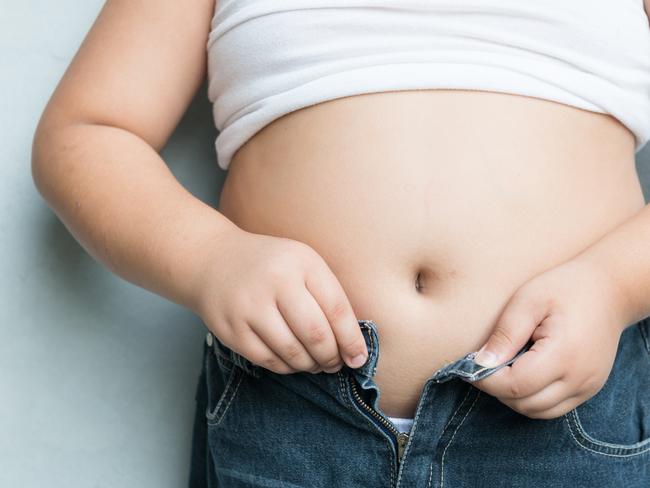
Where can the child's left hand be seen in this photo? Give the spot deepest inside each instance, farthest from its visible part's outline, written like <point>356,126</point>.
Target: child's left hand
<point>574,315</point>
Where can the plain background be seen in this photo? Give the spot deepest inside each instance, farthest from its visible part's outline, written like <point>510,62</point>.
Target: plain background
<point>97,376</point>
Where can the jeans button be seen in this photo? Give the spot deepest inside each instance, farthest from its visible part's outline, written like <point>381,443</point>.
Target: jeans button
<point>208,339</point>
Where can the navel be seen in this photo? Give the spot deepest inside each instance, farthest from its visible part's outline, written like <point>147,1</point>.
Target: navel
<point>422,277</point>
<point>425,278</point>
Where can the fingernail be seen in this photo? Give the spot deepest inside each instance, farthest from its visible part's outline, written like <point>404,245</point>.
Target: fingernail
<point>486,358</point>
<point>358,360</point>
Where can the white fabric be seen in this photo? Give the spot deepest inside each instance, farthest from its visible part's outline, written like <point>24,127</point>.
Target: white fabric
<point>267,58</point>
<point>402,424</point>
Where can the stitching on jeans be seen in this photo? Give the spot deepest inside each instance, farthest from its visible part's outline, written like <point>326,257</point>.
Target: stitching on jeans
<point>587,443</point>
<point>232,396</point>
<point>211,413</point>
<point>230,359</point>
<point>342,388</point>
<point>372,346</point>
<point>469,389</point>
<point>225,363</point>
<point>464,373</point>
<point>445,429</point>
<point>213,418</point>
<point>364,325</point>
<point>636,452</point>
<point>237,376</point>
<point>442,464</point>
<point>413,428</point>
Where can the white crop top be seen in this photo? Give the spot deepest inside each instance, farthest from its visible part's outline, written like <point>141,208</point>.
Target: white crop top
<point>267,58</point>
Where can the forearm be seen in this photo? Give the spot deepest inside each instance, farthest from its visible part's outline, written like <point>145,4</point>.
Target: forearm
<point>119,200</point>
<point>624,255</point>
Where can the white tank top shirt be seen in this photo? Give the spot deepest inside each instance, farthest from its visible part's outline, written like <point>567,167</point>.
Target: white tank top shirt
<point>267,58</point>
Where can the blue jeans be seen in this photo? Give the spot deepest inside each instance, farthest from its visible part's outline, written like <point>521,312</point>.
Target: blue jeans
<point>257,428</point>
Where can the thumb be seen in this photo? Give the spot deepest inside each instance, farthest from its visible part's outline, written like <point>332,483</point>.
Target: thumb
<point>514,328</point>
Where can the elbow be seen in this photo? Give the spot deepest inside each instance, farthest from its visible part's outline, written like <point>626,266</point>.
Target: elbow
<point>49,142</point>
<point>41,165</point>
<point>37,157</point>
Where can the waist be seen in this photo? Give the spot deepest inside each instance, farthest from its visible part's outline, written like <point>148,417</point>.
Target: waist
<point>432,207</point>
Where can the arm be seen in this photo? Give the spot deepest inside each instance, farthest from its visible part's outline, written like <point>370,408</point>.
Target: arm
<point>647,9</point>
<point>623,255</point>
<point>95,150</point>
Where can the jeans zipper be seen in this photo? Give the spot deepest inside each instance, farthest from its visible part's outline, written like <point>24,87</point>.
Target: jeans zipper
<point>401,438</point>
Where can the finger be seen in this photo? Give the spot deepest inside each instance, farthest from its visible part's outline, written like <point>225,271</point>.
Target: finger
<point>270,326</point>
<point>522,314</point>
<point>558,410</point>
<point>329,294</point>
<point>533,371</point>
<point>256,351</point>
<point>547,398</point>
<point>309,324</point>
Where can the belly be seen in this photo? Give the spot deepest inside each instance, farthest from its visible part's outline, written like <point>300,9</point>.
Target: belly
<point>432,207</point>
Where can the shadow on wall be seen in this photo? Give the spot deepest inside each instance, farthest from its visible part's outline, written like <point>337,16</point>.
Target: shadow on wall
<point>190,155</point>
<point>643,168</point>
<point>121,363</point>
<point>147,348</point>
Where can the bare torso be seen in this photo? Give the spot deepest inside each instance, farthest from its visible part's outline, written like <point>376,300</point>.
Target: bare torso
<point>432,207</point>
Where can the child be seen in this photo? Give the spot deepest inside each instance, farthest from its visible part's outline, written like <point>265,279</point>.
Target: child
<point>432,176</point>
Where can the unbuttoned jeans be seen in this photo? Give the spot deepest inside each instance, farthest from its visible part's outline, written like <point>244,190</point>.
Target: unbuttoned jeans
<point>257,428</point>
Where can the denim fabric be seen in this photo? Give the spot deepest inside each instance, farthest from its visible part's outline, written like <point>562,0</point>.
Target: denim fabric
<point>257,428</point>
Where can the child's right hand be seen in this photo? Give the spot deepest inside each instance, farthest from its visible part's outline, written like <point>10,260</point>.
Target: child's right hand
<point>276,302</point>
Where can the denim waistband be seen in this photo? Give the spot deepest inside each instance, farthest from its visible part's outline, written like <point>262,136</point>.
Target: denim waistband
<point>228,355</point>
<point>463,368</point>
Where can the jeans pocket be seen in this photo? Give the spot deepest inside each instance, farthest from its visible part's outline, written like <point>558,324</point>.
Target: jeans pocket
<point>223,379</point>
<point>616,421</point>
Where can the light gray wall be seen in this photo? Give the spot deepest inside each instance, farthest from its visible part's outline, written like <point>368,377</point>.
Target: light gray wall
<point>97,376</point>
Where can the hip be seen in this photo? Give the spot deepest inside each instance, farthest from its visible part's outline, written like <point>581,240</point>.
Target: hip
<point>254,427</point>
